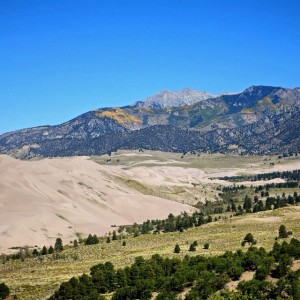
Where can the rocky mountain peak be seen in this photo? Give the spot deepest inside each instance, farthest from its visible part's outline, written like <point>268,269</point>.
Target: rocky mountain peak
<point>167,98</point>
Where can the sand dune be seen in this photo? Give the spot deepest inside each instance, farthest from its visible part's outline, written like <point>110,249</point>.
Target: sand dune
<point>42,200</point>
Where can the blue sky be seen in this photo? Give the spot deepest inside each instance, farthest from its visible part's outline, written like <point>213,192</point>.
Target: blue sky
<point>59,59</point>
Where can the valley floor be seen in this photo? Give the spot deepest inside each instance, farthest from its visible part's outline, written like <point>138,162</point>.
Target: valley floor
<point>71,197</point>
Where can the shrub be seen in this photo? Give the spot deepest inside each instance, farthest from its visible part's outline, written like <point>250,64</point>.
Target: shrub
<point>206,246</point>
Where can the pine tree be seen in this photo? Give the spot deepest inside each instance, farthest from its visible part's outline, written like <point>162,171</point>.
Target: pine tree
<point>177,249</point>
<point>206,246</point>
<point>4,291</point>
<point>95,239</point>
<point>192,247</point>
<point>58,245</point>
<point>44,250</point>
<point>248,239</point>
<point>114,236</point>
<point>51,250</point>
<point>75,243</point>
<point>247,204</point>
<point>282,232</point>
<point>89,240</point>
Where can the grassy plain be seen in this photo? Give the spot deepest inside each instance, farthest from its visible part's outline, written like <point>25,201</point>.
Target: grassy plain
<point>37,278</point>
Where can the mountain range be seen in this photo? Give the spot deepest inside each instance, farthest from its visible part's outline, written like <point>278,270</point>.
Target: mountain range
<point>259,120</point>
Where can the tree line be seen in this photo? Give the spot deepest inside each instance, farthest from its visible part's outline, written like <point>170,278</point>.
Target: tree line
<point>287,175</point>
<point>25,252</point>
<point>170,224</point>
<point>279,185</point>
<point>204,214</point>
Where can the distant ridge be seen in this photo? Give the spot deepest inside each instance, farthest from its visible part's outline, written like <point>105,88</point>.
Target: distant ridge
<point>259,120</point>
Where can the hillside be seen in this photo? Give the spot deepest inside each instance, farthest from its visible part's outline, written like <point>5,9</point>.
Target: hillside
<point>260,120</point>
<point>49,272</point>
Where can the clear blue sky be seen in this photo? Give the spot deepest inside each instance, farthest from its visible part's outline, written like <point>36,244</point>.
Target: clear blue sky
<point>61,58</point>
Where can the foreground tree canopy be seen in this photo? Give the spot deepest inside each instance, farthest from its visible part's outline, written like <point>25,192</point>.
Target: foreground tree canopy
<point>203,276</point>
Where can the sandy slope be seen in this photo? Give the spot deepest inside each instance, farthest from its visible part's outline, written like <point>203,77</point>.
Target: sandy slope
<point>41,200</point>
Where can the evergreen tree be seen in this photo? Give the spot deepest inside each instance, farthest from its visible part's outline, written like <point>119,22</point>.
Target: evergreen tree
<point>114,236</point>
<point>121,278</point>
<point>192,247</point>
<point>209,219</point>
<point>177,249</point>
<point>92,240</point>
<point>4,291</point>
<point>296,289</point>
<point>75,243</point>
<point>58,245</point>
<point>282,232</point>
<point>44,250</point>
<point>247,204</point>
<point>35,253</point>
<point>206,246</point>
<point>248,239</point>
<point>95,239</point>
<point>51,250</point>
<point>108,239</point>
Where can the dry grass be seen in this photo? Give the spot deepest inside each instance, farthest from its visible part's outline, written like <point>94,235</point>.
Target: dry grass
<point>38,278</point>
<point>213,165</point>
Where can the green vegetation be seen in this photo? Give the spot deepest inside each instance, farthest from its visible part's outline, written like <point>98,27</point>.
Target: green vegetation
<point>205,276</point>
<point>287,175</point>
<point>224,235</point>
<point>192,247</point>
<point>283,233</point>
<point>58,245</point>
<point>91,240</point>
<point>206,246</point>
<point>265,208</point>
<point>249,239</point>
<point>203,216</point>
<point>4,291</point>
<point>177,249</point>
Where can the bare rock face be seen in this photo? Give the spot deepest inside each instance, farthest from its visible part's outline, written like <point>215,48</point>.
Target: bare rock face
<point>259,120</point>
<point>175,99</point>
